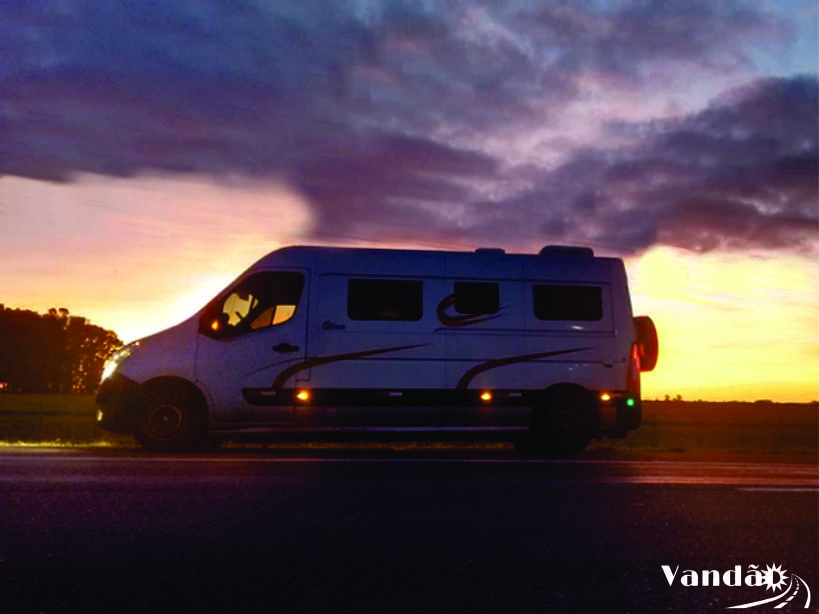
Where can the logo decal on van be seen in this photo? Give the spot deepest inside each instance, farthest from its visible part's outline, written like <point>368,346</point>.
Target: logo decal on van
<point>289,372</point>
<point>502,362</point>
<point>467,319</point>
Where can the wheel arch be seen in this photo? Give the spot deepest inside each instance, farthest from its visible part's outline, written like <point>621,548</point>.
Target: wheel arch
<point>165,382</point>
<point>561,392</point>
<point>566,388</point>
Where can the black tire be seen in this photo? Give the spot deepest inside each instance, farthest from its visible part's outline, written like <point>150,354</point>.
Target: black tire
<point>566,422</point>
<point>171,418</point>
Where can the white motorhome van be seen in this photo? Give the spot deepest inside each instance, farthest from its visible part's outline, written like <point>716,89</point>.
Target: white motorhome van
<point>542,348</point>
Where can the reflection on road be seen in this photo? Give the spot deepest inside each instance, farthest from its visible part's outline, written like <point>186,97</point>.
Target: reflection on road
<point>761,473</point>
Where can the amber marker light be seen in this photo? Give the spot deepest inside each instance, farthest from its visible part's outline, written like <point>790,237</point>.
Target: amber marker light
<point>605,397</point>
<point>303,395</point>
<point>486,396</point>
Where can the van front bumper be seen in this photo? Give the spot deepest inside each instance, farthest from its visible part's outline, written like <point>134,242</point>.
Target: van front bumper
<point>114,399</point>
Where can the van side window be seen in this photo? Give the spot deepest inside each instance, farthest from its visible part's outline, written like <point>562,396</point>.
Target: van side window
<point>476,298</point>
<point>259,301</point>
<point>385,299</point>
<point>561,302</point>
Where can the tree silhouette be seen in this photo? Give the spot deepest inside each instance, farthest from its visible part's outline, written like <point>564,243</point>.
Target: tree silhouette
<point>54,352</point>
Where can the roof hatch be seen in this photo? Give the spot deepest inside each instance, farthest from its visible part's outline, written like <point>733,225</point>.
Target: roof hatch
<point>567,250</point>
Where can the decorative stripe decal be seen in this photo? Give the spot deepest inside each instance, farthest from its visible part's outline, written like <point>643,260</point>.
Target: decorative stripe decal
<point>289,372</point>
<point>502,362</point>
<point>460,320</point>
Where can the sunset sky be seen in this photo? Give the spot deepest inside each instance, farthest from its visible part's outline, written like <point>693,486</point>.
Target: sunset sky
<point>151,151</point>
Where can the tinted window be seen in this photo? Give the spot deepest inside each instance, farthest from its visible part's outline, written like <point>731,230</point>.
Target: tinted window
<point>259,301</point>
<point>476,298</point>
<point>557,302</point>
<point>384,299</point>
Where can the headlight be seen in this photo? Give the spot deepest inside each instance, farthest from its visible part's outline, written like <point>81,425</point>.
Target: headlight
<point>115,360</point>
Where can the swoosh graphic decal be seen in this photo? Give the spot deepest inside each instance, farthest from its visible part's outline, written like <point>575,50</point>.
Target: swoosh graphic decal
<point>460,320</point>
<point>502,362</point>
<point>289,372</point>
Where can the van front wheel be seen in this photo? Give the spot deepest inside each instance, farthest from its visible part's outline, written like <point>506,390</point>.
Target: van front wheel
<point>170,419</point>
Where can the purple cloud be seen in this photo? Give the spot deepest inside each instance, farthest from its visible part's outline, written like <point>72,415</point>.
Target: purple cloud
<point>405,120</point>
<point>740,174</point>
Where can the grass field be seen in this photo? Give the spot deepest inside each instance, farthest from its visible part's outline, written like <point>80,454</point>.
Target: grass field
<point>668,426</point>
<point>732,427</point>
<point>55,419</point>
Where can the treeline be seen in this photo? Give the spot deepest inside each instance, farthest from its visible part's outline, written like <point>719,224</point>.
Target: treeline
<point>52,353</point>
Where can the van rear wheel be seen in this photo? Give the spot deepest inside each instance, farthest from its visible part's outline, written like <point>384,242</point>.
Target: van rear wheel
<point>170,419</point>
<point>566,422</point>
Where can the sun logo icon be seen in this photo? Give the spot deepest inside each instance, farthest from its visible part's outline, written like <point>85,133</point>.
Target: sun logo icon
<point>773,578</point>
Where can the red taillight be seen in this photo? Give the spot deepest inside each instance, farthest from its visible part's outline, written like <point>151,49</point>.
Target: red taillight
<point>633,376</point>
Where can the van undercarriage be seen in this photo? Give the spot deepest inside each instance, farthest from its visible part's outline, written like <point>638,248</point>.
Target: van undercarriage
<point>565,416</point>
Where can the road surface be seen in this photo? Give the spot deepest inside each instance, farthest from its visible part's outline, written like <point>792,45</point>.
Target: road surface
<point>346,531</point>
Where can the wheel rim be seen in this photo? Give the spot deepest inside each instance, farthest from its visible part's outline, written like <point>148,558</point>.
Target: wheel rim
<point>164,421</point>
<point>566,428</point>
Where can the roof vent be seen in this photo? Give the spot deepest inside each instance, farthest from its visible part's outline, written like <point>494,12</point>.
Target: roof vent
<point>567,250</point>
<point>490,250</point>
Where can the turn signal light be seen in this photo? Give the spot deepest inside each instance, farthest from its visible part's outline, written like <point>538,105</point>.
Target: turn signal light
<point>605,397</point>
<point>303,395</point>
<point>486,396</point>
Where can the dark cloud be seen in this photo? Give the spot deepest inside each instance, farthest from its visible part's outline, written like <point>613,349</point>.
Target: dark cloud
<point>741,174</point>
<point>389,184</point>
<point>379,113</point>
<point>624,39</point>
<point>706,225</point>
<point>749,170</point>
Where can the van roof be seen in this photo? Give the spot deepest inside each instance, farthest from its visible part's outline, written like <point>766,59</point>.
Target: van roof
<point>563,262</point>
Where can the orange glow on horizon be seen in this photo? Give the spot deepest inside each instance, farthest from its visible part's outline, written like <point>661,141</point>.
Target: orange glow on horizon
<point>139,255</point>
<point>738,327</point>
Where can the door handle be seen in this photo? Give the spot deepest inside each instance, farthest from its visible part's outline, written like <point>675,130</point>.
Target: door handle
<point>285,348</point>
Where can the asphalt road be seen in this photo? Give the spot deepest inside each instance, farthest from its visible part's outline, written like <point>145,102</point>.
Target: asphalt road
<point>259,531</point>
